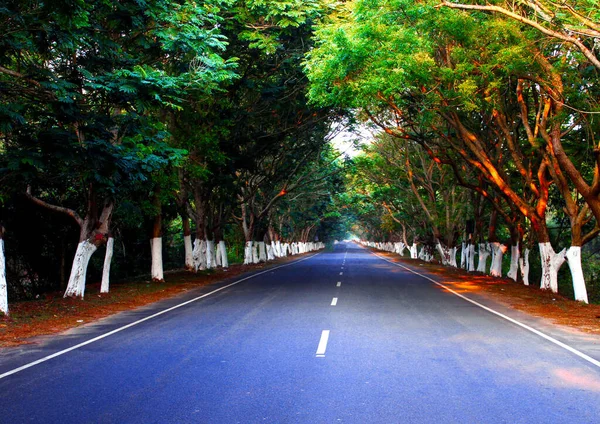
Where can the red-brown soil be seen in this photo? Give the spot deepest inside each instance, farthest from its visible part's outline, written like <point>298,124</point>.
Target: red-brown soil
<point>529,299</point>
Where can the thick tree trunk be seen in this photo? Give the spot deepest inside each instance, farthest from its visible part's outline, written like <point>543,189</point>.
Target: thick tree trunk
<point>262,252</point>
<point>76,284</point>
<point>447,254</point>
<point>484,252</point>
<point>513,272</point>
<point>211,260</point>
<point>524,266</point>
<point>413,251</point>
<point>498,250</point>
<point>551,263</point>
<point>463,255</point>
<point>248,253</point>
<point>270,254</point>
<point>104,287</point>
<point>574,259</point>
<point>3,285</point>
<point>223,254</point>
<point>199,254</point>
<point>157,260</point>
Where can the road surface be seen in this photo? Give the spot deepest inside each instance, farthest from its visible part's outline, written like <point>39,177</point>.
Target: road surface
<point>338,337</point>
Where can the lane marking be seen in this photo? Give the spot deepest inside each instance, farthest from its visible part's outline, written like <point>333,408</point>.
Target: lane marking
<point>341,273</point>
<point>501,315</point>
<point>323,344</point>
<point>117,330</point>
<point>334,301</point>
<point>339,284</point>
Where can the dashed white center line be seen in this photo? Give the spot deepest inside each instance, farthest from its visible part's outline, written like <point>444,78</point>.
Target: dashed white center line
<point>341,273</point>
<point>339,284</point>
<point>323,344</point>
<point>334,301</point>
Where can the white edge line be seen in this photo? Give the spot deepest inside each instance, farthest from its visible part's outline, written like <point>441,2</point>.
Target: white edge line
<point>501,315</point>
<point>323,343</point>
<point>117,330</point>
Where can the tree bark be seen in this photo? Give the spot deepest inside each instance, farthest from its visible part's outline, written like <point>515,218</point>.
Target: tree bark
<point>3,284</point>
<point>104,287</point>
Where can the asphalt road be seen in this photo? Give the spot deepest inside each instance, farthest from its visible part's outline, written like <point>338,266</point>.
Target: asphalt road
<point>400,349</point>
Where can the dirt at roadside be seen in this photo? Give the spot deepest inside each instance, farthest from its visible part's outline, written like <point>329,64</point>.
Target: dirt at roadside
<point>53,314</point>
<point>529,299</point>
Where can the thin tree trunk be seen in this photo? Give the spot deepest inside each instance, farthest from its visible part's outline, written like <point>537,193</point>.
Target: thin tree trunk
<point>187,243</point>
<point>524,266</point>
<point>3,284</point>
<point>104,287</point>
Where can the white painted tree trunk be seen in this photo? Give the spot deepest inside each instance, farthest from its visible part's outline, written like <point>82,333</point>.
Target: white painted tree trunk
<point>270,254</point>
<point>574,260</point>
<point>189,256</point>
<point>211,260</point>
<point>484,252</point>
<point>413,251</point>
<point>294,248</point>
<point>285,249</point>
<point>463,255</point>
<point>157,262</point>
<point>262,252</point>
<point>514,262</point>
<point>255,253</point>
<point>248,253</point>
<point>76,285</point>
<point>223,254</point>
<point>3,285</point>
<point>471,258</point>
<point>524,266</point>
<point>104,287</point>
<point>199,254</point>
<point>278,252</point>
<point>498,250</point>
<point>447,254</point>
<point>551,263</point>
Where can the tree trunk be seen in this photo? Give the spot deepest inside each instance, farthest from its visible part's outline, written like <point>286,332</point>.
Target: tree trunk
<point>551,263</point>
<point>187,243</point>
<point>484,252</point>
<point>76,284</point>
<point>574,259</point>
<point>524,265</point>
<point>104,287</point>
<point>463,255</point>
<point>3,285</point>
<point>413,251</point>
<point>514,262</point>
<point>248,253</point>
<point>498,250</point>
<point>223,250</point>
<point>211,260</point>
<point>157,261</point>
<point>199,254</point>
<point>471,257</point>
<point>156,242</point>
<point>262,253</point>
<point>447,254</point>
<point>255,253</point>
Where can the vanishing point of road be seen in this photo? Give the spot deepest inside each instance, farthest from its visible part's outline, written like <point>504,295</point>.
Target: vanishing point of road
<point>336,337</point>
